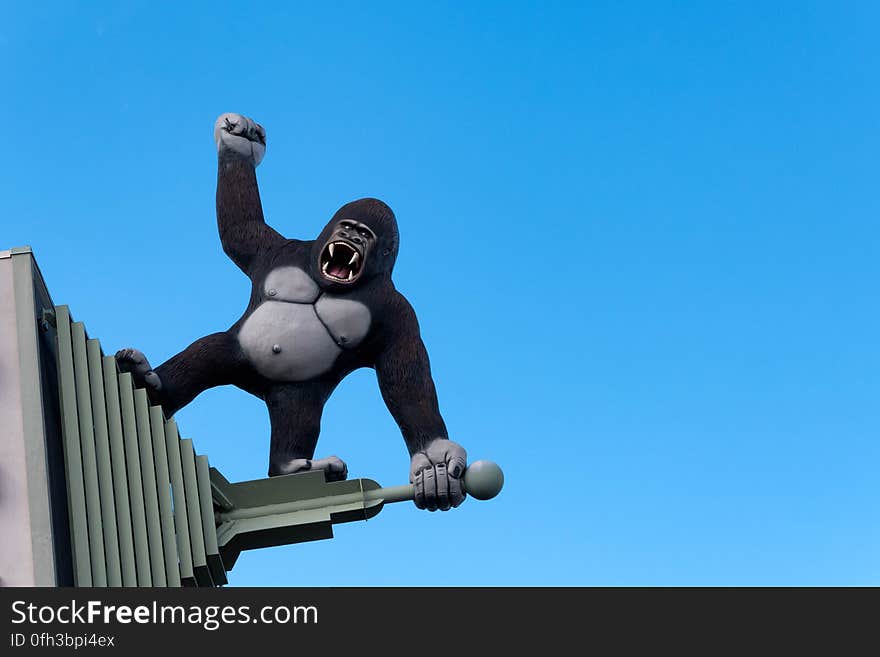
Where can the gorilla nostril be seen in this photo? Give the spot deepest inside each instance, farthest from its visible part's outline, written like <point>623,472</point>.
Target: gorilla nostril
<point>342,233</point>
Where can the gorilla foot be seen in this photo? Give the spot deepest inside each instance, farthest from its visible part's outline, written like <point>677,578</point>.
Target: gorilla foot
<point>134,361</point>
<point>333,467</point>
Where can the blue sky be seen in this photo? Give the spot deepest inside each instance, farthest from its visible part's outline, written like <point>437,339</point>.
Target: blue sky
<point>641,239</point>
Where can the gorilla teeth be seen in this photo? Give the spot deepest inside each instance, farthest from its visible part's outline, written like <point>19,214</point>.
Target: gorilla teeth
<point>333,267</point>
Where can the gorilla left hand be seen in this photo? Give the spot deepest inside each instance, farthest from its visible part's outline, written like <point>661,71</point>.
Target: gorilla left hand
<point>436,472</point>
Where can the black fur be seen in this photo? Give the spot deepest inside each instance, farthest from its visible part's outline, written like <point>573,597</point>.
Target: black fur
<point>393,345</point>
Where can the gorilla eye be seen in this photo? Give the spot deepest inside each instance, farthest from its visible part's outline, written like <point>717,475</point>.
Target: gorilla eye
<point>363,232</point>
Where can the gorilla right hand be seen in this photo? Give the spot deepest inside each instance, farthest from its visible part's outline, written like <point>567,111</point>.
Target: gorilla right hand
<point>240,136</point>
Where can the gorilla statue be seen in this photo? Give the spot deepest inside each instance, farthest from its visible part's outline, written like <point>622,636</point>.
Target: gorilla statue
<point>319,309</point>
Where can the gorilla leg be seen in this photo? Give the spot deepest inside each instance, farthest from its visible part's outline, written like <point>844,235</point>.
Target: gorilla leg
<point>295,411</point>
<point>214,360</point>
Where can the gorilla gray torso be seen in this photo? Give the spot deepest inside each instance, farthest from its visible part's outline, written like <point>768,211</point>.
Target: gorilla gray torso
<point>298,331</point>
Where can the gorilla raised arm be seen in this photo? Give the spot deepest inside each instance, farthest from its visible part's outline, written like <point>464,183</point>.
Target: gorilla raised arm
<point>318,310</point>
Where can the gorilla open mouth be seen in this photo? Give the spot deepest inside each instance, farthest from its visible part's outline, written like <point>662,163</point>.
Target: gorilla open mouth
<point>340,262</point>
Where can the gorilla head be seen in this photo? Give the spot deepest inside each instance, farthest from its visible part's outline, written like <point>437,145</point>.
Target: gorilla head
<point>359,242</point>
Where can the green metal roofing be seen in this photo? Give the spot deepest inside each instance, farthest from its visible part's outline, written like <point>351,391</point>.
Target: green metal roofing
<point>139,498</point>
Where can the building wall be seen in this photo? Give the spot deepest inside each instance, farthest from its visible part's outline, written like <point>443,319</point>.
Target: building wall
<point>34,538</point>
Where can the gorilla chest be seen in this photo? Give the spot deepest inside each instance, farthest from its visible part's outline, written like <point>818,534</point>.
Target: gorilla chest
<point>297,332</point>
